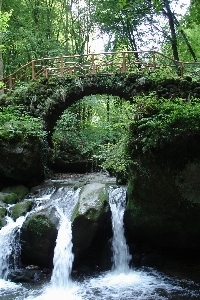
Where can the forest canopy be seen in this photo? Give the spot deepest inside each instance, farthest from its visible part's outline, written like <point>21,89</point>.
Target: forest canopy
<point>46,28</point>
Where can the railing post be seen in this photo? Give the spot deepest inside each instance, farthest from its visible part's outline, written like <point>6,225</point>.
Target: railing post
<point>10,82</point>
<point>123,62</point>
<point>93,65</point>
<point>62,66</point>
<point>181,69</point>
<point>154,59</point>
<point>33,69</point>
<point>46,73</point>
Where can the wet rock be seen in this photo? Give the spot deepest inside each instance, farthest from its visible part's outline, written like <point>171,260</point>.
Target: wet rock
<point>83,269</point>
<point>46,271</point>
<point>146,248</point>
<point>2,216</point>
<point>23,275</point>
<point>21,209</point>
<point>22,161</point>
<point>89,215</point>
<point>32,267</point>
<point>38,236</point>
<point>136,260</point>
<point>163,205</point>
<point>13,194</point>
<point>133,248</point>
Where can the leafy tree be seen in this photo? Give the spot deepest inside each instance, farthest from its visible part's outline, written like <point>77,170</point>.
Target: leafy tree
<point>44,29</point>
<point>4,18</point>
<point>194,12</point>
<point>121,21</point>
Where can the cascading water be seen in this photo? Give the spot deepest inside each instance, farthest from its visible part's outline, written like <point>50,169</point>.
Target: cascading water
<point>120,283</point>
<point>63,256</point>
<point>61,285</point>
<point>9,245</point>
<point>121,256</point>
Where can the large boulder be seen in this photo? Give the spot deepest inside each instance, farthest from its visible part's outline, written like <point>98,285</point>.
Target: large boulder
<point>21,209</point>
<point>22,161</point>
<point>38,236</point>
<point>164,196</point>
<point>13,194</point>
<point>90,216</point>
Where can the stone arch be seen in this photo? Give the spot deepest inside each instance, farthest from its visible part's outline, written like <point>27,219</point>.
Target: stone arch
<point>117,84</point>
<point>87,88</point>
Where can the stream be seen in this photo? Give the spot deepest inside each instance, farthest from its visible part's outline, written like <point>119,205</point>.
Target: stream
<point>120,283</point>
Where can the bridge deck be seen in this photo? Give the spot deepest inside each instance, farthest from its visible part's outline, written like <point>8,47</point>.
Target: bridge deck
<point>106,62</point>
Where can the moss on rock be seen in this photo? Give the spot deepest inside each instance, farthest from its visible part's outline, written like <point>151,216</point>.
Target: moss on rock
<point>163,206</point>
<point>89,214</point>
<point>39,225</point>
<point>38,235</point>
<point>2,216</point>
<point>20,190</point>
<point>21,208</point>
<point>9,198</point>
<point>13,194</point>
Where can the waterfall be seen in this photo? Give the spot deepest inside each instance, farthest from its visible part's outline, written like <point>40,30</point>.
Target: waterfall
<point>9,245</point>
<point>121,256</point>
<point>63,256</point>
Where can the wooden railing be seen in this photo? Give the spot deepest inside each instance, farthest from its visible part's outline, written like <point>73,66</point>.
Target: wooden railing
<point>107,62</point>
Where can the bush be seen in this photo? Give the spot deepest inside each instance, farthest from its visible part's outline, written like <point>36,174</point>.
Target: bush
<point>16,125</point>
<point>162,121</point>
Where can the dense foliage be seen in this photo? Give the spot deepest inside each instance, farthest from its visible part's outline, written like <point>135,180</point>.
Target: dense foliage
<point>160,122</point>
<point>54,28</point>
<point>145,126</point>
<point>95,129</point>
<point>17,125</point>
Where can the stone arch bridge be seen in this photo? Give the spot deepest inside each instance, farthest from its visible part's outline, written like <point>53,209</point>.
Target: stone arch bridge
<point>58,82</point>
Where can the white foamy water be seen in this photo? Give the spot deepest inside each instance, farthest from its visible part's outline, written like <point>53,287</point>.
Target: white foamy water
<point>121,283</point>
<point>9,245</point>
<point>51,292</point>
<point>136,285</point>
<point>121,256</point>
<point>63,256</point>
<point>61,285</point>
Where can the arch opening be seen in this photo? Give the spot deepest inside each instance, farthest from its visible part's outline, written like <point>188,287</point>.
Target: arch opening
<point>91,134</point>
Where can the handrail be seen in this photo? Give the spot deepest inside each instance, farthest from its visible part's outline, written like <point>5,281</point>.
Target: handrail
<point>104,62</point>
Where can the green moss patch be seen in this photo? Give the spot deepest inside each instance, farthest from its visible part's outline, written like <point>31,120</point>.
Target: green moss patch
<point>2,215</point>
<point>9,198</point>
<point>20,190</point>
<point>39,225</point>
<point>21,208</point>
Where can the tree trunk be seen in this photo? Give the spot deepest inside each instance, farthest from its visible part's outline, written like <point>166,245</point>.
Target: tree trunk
<point>169,14</point>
